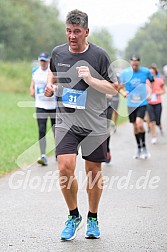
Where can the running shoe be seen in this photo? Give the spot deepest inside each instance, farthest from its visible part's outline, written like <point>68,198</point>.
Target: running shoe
<point>137,154</point>
<point>154,140</point>
<point>145,154</point>
<point>73,224</point>
<point>108,158</point>
<point>93,231</point>
<point>43,161</point>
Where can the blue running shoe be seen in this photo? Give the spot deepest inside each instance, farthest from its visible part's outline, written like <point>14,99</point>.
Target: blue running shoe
<point>93,231</point>
<point>73,224</point>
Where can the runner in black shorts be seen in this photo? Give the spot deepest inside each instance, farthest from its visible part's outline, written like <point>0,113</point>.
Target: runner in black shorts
<point>155,104</point>
<point>138,93</point>
<point>84,76</point>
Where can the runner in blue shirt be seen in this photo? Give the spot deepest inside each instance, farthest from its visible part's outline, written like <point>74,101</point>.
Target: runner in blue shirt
<point>137,94</point>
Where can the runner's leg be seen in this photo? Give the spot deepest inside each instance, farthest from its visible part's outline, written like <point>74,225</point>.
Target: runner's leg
<point>94,184</point>
<point>42,121</point>
<point>68,182</point>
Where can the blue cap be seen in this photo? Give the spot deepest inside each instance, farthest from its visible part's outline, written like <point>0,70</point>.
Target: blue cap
<point>43,56</point>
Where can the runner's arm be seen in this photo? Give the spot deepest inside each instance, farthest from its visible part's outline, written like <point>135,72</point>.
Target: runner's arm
<point>32,88</point>
<point>149,89</point>
<point>51,84</point>
<point>123,92</point>
<point>161,91</point>
<point>102,86</point>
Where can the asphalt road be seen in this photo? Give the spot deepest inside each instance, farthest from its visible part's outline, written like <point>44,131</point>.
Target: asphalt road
<point>132,212</point>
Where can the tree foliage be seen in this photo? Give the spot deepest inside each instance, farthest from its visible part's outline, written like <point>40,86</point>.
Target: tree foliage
<point>104,39</point>
<point>28,27</point>
<point>150,41</point>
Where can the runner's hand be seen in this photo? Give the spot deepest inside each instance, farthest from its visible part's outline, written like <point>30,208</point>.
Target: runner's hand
<point>124,93</point>
<point>118,86</point>
<point>84,72</point>
<point>120,89</point>
<point>49,90</point>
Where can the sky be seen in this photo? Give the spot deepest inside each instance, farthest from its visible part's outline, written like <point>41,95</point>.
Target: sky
<point>110,12</point>
<point>123,15</point>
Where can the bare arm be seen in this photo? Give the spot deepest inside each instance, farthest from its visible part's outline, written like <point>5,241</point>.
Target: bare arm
<point>161,91</point>
<point>32,88</point>
<point>51,84</point>
<point>102,86</point>
<point>149,89</point>
<point>123,92</point>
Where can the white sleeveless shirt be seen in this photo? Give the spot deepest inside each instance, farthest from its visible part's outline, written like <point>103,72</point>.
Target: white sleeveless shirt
<point>39,77</point>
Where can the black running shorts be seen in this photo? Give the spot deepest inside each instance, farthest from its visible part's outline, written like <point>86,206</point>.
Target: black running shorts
<point>154,112</point>
<point>136,112</point>
<point>93,148</point>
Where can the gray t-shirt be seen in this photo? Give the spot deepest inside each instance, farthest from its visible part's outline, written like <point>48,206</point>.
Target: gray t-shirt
<point>92,117</point>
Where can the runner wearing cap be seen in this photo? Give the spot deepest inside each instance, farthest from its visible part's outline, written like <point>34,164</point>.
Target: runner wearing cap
<point>45,106</point>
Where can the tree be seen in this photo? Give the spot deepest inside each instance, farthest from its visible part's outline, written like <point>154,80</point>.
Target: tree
<point>150,41</point>
<point>28,27</point>
<point>104,39</point>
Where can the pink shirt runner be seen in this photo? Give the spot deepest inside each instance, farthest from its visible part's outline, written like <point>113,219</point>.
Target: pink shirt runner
<point>156,86</point>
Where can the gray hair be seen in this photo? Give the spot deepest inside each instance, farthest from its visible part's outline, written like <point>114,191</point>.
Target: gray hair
<point>77,17</point>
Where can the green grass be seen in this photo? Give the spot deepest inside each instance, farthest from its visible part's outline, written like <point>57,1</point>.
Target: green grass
<point>14,132</point>
<point>15,77</point>
<point>18,128</point>
<point>19,135</point>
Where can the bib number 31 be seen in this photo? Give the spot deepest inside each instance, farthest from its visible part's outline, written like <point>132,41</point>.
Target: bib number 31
<point>73,98</point>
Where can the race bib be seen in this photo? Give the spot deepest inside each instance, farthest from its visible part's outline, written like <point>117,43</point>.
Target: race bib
<point>40,92</point>
<point>153,97</point>
<point>135,98</point>
<point>73,98</point>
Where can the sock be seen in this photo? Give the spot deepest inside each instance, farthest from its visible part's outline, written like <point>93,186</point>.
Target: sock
<point>137,136</point>
<point>74,212</point>
<point>92,215</point>
<point>142,137</point>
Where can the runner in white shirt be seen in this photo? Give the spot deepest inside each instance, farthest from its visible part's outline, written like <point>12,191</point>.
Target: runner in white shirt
<point>45,106</point>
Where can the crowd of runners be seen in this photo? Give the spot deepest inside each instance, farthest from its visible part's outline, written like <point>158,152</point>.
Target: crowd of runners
<point>143,90</point>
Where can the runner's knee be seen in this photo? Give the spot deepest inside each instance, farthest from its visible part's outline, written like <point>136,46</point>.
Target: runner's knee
<point>66,166</point>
